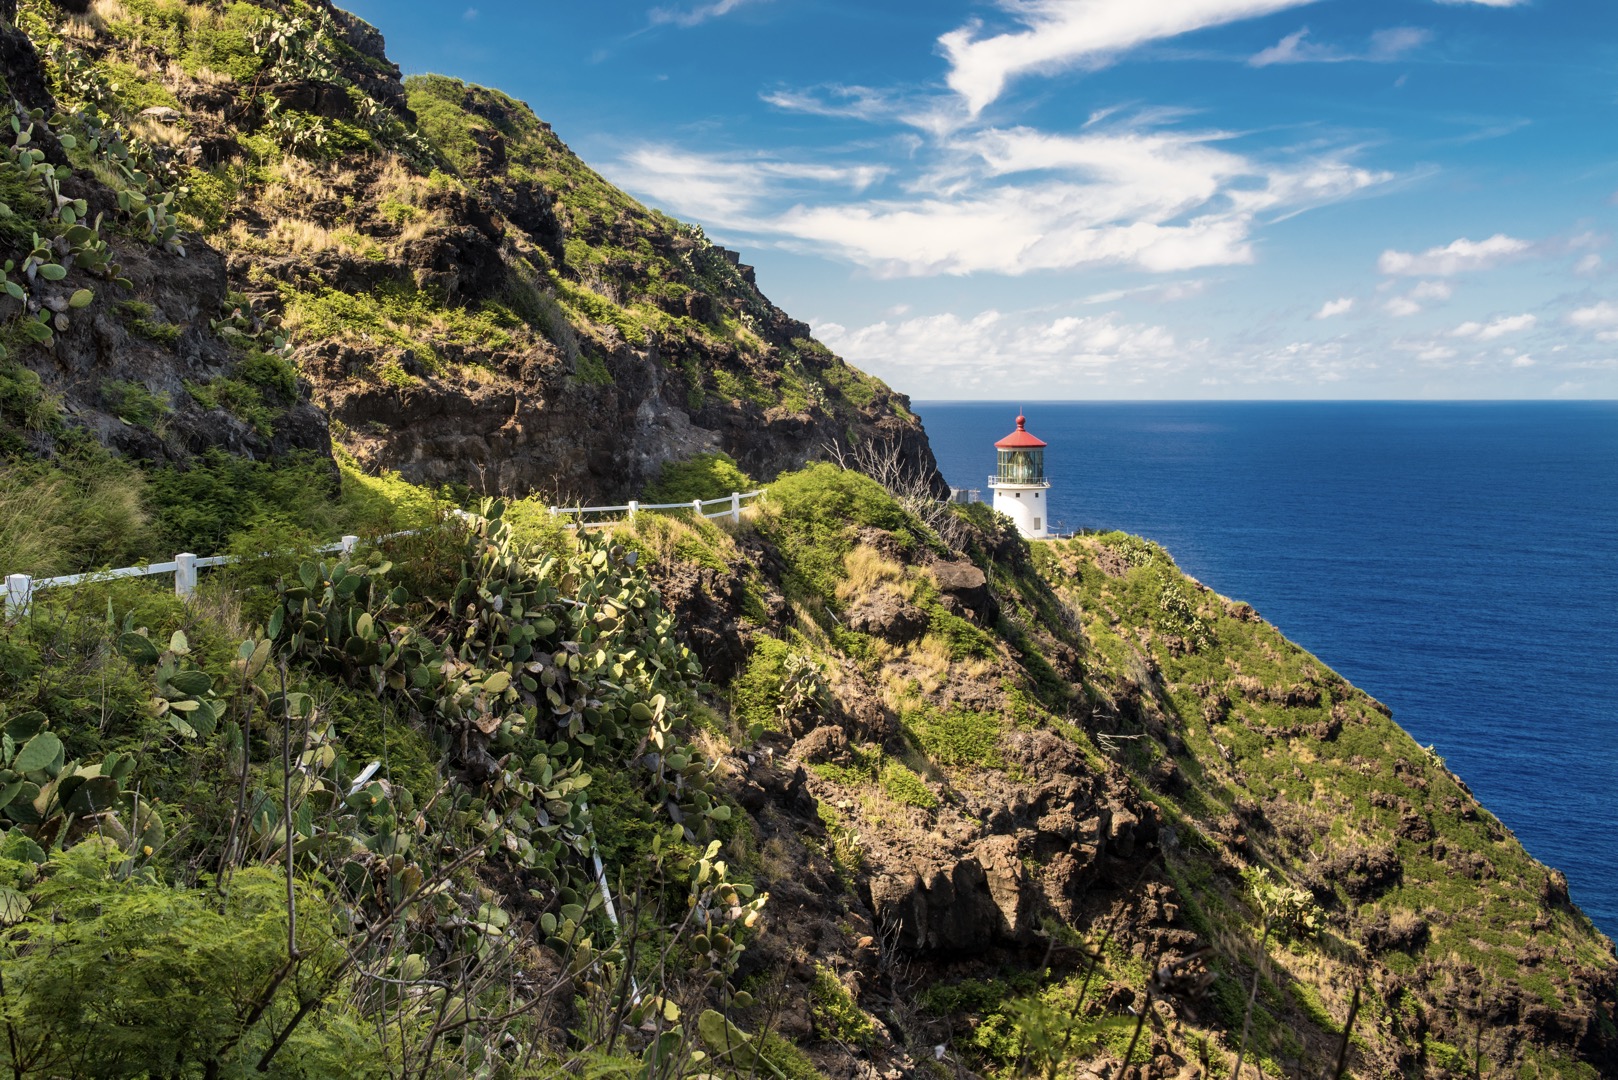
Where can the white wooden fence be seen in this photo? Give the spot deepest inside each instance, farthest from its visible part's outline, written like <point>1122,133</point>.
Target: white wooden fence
<point>20,588</point>
<point>731,507</point>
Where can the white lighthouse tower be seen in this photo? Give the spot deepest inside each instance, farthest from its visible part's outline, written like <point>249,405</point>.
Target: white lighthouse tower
<point>1021,491</point>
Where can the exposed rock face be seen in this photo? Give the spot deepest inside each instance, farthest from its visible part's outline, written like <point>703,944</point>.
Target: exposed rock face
<point>468,300</point>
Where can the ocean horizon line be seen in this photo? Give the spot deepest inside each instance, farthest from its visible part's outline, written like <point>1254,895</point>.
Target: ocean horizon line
<point>1264,401</point>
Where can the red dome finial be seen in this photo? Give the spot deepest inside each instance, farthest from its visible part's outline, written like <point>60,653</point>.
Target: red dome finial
<point>1022,422</point>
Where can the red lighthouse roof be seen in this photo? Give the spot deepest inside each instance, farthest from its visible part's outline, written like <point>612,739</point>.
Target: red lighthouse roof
<point>1020,439</point>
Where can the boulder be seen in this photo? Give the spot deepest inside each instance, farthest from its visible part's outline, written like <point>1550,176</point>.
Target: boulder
<point>960,580</point>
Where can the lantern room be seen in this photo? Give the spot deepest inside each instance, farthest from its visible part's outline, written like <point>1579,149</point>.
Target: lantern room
<point>1021,491</point>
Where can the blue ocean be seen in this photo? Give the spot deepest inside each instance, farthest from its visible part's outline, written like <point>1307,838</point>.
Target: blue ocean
<point>1458,561</point>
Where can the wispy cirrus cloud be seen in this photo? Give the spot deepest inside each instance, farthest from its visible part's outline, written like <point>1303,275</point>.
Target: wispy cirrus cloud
<point>1012,201</point>
<point>1384,46</point>
<point>1057,35</point>
<point>1454,258</point>
<point>1333,308</point>
<point>694,16</point>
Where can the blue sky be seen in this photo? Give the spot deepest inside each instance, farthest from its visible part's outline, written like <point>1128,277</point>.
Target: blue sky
<point>1076,199</point>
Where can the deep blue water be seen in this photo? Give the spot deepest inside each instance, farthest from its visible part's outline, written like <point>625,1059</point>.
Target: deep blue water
<point>1458,561</point>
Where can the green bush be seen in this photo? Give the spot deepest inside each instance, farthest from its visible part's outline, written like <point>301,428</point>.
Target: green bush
<point>133,403</point>
<point>904,786</point>
<point>958,736</point>
<point>199,508</point>
<point>706,476</point>
<point>835,1013</point>
<point>813,515</point>
<point>755,695</point>
<point>120,976</point>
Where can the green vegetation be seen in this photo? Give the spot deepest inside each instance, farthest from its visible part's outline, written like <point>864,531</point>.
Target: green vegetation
<point>904,786</point>
<point>957,737</point>
<point>705,476</point>
<point>813,515</point>
<point>836,1014</point>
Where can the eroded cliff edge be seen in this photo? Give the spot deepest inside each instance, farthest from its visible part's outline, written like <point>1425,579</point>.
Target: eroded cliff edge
<point>283,223</point>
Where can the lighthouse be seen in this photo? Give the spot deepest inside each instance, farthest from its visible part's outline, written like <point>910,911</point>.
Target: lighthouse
<point>1021,491</point>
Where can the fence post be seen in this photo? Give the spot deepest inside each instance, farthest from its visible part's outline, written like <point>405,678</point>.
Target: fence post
<point>19,592</point>
<point>633,506</point>
<point>185,574</point>
<point>349,544</point>
<point>696,504</point>
<point>736,506</point>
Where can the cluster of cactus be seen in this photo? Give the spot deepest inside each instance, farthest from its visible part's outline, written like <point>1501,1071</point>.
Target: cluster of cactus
<point>1177,615</point>
<point>151,177</point>
<point>298,47</point>
<point>294,47</point>
<point>184,694</point>
<point>532,674</point>
<point>241,324</point>
<point>48,802</point>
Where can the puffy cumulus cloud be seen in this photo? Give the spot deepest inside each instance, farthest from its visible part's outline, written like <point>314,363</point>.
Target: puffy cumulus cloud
<point>1595,317</point>
<point>1331,308</point>
<point>1004,352</point>
<point>1432,290</point>
<point>1009,201</point>
<point>1416,300</point>
<point>1384,46</point>
<point>1057,35</point>
<point>1494,328</point>
<point>1460,256</point>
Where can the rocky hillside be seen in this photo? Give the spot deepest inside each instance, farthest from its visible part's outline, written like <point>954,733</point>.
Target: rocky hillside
<point>872,796</point>
<point>232,226</point>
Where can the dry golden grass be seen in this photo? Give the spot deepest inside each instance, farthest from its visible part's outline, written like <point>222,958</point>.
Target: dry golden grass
<point>865,568</point>
<point>158,133</point>
<point>299,179</point>
<point>107,11</point>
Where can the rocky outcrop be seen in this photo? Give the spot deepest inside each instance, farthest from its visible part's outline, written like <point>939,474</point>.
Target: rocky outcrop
<point>492,315</point>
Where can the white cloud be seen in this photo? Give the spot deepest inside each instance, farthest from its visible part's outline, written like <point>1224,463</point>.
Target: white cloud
<point>1596,316</point>
<point>1433,353</point>
<point>1385,45</point>
<point>1292,49</point>
<point>1485,3</point>
<point>1341,306</point>
<point>1062,34</point>
<point>688,17</point>
<point>1457,257</point>
<point>1003,351</point>
<point>1494,328</point>
<point>1522,361</point>
<point>1432,290</point>
<point>1009,201</point>
<point>1401,306</point>
<point>1395,41</point>
<point>1590,264</point>
<point>726,190</point>
<point>469,14</point>
<point>1167,292</point>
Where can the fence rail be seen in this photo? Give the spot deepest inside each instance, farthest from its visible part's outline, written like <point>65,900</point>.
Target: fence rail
<point>731,507</point>
<point>20,588</point>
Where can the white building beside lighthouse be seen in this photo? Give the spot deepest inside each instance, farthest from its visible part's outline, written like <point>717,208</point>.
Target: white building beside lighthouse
<point>1021,491</point>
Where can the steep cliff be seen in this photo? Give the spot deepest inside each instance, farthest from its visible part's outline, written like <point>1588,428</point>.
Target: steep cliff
<point>268,219</point>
